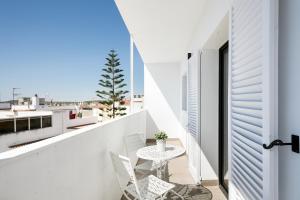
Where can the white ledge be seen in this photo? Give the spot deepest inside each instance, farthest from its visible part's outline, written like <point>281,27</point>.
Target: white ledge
<point>35,147</point>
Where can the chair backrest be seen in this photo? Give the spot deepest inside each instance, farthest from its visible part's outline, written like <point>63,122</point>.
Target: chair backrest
<point>134,142</point>
<point>124,171</point>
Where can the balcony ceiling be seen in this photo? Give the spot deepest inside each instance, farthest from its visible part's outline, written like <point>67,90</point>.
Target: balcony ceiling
<point>161,29</point>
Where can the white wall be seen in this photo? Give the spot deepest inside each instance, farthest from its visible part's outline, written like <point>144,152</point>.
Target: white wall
<point>209,114</point>
<point>75,165</point>
<point>289,97</point>
<point>60,125</point>
<point>213,14</point>
<point>183,113</point>
<point>4,106</point>
<point>137,104</point>
<point>162,98</point>
<point>11,139</point>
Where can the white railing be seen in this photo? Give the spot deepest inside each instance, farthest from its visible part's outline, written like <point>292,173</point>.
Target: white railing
<point>74,165</point>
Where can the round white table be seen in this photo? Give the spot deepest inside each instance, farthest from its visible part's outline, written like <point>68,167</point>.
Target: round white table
<point>151,153</point>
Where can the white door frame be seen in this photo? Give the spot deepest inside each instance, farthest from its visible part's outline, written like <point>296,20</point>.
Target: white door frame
<point>271,97</point>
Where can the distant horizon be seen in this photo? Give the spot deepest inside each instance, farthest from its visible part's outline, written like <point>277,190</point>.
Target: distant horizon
<point>70,41</point>
<point>49,100</point>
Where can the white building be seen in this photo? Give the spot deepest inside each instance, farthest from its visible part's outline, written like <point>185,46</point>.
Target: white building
<point>222,100</point>
<point>32,103</point>
<point>4,106</point>
<point>21,128</point>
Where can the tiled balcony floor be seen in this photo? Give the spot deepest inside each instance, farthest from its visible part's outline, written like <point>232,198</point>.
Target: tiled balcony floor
<point>178,174</point>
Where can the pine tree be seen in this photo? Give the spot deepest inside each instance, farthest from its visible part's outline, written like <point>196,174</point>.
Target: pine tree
<point>112,81</point>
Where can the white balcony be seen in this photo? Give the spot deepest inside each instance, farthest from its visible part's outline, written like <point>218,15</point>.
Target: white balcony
<point>76,165</point>
<point>180,43</point>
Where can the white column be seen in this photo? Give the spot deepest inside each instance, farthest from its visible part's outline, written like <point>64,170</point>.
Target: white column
<point>131,73</point>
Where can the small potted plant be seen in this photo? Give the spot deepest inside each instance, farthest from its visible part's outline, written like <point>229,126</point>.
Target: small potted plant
<point>161,138</point>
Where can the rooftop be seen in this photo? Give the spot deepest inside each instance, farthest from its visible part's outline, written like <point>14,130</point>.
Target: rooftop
<point>21,114</point>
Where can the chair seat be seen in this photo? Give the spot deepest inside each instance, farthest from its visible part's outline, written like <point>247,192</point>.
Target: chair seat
<point>149,165</point>
<point>150,188</point>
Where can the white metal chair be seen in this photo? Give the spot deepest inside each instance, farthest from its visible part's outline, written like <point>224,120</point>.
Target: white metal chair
<point>148,188</point>
<point>132,144</point>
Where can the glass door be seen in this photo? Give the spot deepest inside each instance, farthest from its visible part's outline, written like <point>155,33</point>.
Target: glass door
<point>223,116</point>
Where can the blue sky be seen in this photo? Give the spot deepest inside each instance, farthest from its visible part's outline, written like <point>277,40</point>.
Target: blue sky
<point>57,48</point>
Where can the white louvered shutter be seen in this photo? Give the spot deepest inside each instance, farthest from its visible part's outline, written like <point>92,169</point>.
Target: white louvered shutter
<point>194,96</point>
<point>253,39</point>
<point>193,137</point>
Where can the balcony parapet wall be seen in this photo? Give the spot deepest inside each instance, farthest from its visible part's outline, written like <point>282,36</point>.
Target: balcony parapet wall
<point>74,165</point>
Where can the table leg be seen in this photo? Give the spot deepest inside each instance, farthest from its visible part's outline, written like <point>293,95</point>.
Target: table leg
<point>159,170</point>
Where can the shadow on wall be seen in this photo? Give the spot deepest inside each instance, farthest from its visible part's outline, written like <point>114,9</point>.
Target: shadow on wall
<point>163,103</point>
<point>151,126</point>
<point>166,77</point>
<point>162,98</point>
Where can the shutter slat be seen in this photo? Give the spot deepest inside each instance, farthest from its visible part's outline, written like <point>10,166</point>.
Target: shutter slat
<point>255,105</point>
<point>240,19</point>
<point>247,67</point>
<point>248,112</point>
<point>250,64</point>
<point>247,151</point>
<point>246,133</point>
<point>248,119</point>
<point>248,36</point>
<point>249,175</point>
<point>250,189</point>
<point>247,90</point>
<point>257,72</point>
<point>251,143</point>
<point>247,29</point>
<point>253,47</point>
<point>247,97</point>
<point>244,188</point>
<point>249,127</point>
<point>236,63</point>
<point>254,168</point>
<point>255,80</point>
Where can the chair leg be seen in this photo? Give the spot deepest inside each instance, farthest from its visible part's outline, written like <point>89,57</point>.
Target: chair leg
<point>177,194</point>
<point>165,169</point>
<point>127,197</point>
<point>164,196</point>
